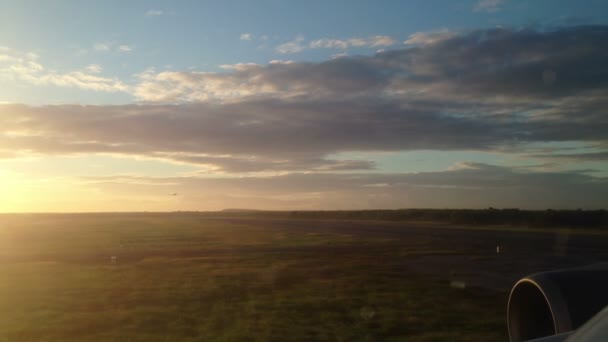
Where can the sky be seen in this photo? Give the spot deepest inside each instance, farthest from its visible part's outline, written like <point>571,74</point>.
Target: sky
<point>303,105</point>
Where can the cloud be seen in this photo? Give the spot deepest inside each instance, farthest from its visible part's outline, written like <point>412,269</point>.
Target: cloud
<point>497,64</point>
<point>328,44</point>
<point>124,48</point>
<point>473,186</point>
<point>482,90</point>
<point>293,46</point>
<point>240,164</point>
<point>281,80</point>
<point>154,13</point>
<point>490,6</point>
<point>82,80</point>
<point>298,45</point>
<point>380,41</point>
<point>338,55</point>
<point>15,65</point>
<point>273,134</point>
<point>432,37</point>
<point>281,61</point>
<point>589,156</point>
<point>101,47</point>
<point>25,67</point>
<point>375,41</point>
<point>94,68</point>
<point>112,47</point>
<point>239,66</point>
<point>246,36</point>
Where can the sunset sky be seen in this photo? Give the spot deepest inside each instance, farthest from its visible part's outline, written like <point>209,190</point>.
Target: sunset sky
<point>201,105</point>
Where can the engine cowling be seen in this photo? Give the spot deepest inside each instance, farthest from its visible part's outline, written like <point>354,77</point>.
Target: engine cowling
<point>551,303</point>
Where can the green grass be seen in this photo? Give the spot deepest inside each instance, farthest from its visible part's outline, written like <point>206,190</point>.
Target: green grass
<point>186,278</point>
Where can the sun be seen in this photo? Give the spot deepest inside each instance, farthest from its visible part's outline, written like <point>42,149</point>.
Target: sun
<point>11,191</point>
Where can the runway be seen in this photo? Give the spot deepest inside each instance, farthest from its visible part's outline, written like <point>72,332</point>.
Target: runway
<point>489,258</point>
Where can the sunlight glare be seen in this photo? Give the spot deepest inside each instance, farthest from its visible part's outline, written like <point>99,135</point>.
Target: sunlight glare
<point>10,191</point>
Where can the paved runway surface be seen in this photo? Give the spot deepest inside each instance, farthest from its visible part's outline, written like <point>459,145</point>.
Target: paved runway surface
<point>467,256</point>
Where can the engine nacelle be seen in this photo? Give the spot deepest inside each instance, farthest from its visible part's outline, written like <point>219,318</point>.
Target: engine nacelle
<point>550,303</point>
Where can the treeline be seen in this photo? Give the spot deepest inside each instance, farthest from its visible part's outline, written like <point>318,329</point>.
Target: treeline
<point>516,217</point>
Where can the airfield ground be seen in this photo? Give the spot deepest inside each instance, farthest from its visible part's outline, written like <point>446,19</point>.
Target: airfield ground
<point>193,277</point>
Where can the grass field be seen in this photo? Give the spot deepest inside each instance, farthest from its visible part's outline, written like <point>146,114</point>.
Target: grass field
<point>186,277</point>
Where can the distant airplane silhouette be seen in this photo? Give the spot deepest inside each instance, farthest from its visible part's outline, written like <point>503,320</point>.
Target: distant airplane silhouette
<point>174,194</point>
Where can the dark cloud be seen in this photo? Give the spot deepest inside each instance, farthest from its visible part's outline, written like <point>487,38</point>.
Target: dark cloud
<point>590,156</point>
<point>298,132</point>
<point>483,90</point>
<point>524,63</point>
<point>502,62</point>
<point>256,164</point>
<point>470,186</point>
